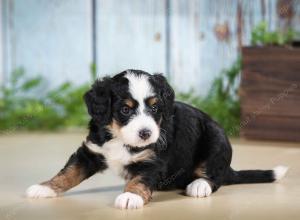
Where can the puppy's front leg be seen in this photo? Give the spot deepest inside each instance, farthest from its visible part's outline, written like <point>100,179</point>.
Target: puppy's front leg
<point>80,166</point>
<point>136,194</point>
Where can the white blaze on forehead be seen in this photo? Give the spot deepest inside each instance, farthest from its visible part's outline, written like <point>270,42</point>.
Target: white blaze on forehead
<point>139,87</point>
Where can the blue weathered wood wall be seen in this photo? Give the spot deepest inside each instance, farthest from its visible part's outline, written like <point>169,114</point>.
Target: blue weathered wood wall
<point>52,38</point>
<point>131,34</point>
<point>1,44</point>
<point>176,37</point>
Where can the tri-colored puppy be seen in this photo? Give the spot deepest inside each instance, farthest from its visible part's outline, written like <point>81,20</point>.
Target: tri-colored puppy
<point>152,141</point>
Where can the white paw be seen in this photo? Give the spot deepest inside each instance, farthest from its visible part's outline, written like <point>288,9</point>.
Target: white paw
<point>129,200</point>
<point>198,188</point>
<point>40,191</point>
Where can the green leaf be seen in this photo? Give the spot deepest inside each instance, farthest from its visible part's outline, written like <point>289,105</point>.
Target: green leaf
<point>260,35</point>
<point>31,83</point>
<point>16,76</point>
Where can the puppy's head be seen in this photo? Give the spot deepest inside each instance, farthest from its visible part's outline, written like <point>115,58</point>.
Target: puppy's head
<point>132,106</point>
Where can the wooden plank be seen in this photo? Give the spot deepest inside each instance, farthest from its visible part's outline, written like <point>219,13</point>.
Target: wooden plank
<point>272,75</point>
<point>253,55</point>
<point>197,56</point>
<point>131,35</point>
<point>270,93</point>
<point>282,104</point>
<point>185,40</point>
<point>272,128</point>
<point>270,69</point>
<point>6,53</point>
<point>52,38</point>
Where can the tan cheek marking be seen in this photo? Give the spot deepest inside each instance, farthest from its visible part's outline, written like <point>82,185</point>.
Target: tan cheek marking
<point>144,155</point>
<point>114,128</point>
<point>135,186</point>
<point>129,102</point>
<point>65,179</point>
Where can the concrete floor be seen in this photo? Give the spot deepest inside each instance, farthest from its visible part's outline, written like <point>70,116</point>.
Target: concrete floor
<point>26,159</point>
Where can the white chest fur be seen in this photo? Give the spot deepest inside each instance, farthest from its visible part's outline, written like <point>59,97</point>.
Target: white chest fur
<point>117,156</point>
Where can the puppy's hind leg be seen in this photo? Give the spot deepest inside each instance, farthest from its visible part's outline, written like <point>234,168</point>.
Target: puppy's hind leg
<point>208,176</point>
<point>80,166</point>
<point>201,186</point>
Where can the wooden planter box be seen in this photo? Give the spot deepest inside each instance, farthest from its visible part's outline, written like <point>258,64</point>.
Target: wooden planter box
<point>270,93</point>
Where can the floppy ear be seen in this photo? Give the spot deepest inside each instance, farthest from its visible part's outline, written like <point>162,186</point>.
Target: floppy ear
<point>166,94</point>
<point>98,101</point>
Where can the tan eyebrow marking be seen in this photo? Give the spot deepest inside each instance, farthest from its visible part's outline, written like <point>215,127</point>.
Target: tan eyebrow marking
<point>129,102</point>
<point>152,101</point>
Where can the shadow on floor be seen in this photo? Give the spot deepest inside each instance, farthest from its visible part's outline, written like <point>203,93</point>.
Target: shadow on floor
<point>171,195</point>
<point>96,190</point>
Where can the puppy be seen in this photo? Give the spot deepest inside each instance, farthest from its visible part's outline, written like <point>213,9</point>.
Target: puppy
<point>152,141</point>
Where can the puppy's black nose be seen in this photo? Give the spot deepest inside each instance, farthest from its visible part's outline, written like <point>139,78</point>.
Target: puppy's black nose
<point>144,134</point>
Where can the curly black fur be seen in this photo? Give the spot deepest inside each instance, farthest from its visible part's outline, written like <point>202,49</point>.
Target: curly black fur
<point>190,139</point>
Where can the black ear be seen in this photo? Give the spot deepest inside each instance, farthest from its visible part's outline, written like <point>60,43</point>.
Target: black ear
<point>98,101</point>
<point>165,92</point>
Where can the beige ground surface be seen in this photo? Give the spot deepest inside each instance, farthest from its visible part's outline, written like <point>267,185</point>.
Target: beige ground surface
<point>26,159</point>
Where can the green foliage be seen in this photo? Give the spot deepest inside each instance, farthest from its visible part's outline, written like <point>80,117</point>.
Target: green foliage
<point>22,109</point>
<point>260,36</point>
<point>63,107</point>
<point>222,102</point>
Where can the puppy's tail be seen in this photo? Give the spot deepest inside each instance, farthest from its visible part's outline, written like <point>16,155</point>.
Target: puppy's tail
<point>255,176</point>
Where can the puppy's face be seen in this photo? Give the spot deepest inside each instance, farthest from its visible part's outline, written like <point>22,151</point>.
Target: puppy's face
<point>137,113</point>
<point>136,105</point>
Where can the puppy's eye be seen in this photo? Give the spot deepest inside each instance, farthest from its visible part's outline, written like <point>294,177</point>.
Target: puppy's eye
<point>125,110</point>
<point>154,108</point>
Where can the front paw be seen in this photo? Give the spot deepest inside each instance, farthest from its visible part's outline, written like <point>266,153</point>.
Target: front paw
<point>199,188</point>
<point>40,191</point>
<point>129,200</point>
